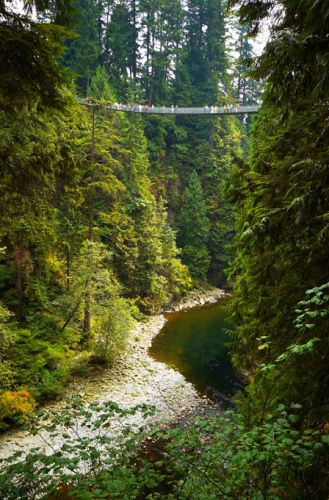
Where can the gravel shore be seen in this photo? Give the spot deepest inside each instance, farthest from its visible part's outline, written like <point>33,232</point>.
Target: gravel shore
<point>135,378</point>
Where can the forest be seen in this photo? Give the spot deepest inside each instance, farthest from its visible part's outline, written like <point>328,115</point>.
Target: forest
<point>109,217</point>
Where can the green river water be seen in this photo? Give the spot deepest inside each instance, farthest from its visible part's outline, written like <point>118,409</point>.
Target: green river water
<point>195,342</point>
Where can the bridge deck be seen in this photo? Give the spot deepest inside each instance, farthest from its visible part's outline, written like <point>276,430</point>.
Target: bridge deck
<point>162,110</point>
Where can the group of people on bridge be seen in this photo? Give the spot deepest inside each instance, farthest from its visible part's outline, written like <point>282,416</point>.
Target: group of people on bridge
<point>144,108</point>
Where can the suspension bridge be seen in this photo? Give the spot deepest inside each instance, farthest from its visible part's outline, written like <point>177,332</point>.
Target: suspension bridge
<point>174,110</point>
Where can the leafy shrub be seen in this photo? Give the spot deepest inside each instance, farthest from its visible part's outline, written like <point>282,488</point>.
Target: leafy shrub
<point>82,445</point>
<point>225,458</point>
<point>52,383</point>
<point>113,330</point>
<point>40,361</point>
<point>7,276</point>
<point>7,336</point>
<point>7,375</point>
<point>81,364</point>
<point>204,458</point>
<point>16,406</point>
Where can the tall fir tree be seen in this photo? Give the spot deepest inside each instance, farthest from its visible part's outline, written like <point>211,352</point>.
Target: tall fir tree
<point>84,51</point>
<point>120,57</point>
<point>31,75</point>
<point>247,90</point>
<point>194,229</point>
<point>281,202</point>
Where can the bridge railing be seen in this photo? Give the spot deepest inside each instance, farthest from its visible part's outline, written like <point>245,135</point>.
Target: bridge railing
<point>159,110</point>
<point>163,110</point>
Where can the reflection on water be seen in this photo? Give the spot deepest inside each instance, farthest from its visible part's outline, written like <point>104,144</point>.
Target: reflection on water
<point>194,341</point>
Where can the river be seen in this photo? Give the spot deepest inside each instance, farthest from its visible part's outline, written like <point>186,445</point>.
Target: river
<point>169,363</point>
<point>195,342</point>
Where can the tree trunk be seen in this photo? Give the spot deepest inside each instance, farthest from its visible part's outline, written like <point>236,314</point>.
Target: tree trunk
<point>19,282</point>
<point>152,44</point>
<point>68,267</point>
<point>106,43</point>
<point>134,68</point>
<point>87,83</point>
<point>148,54</point>
<point>90,237</point>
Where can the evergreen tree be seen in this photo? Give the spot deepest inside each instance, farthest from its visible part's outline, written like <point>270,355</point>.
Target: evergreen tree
<point>194,229</point>
<point>101,177</point>
<point>247,89</point>
<point>120,55</point>
<point>227,136</point>
<point>29,51</point>
<point>281,206</point>
<point>145,254</point>
<point>217,60</point>
<point>100,88</point>
<point>83,53</point>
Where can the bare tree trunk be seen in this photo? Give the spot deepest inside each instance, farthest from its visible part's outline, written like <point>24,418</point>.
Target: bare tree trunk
<point>152,67</point>
<point>19,283</point>
<point>106,42</point>
<point>72,313</point>
<point>134,68</point>
<point>151,50</point>
<point>90,237</point>
<point>68,267</point>
<point>87,85</point>
<point>148,53</point>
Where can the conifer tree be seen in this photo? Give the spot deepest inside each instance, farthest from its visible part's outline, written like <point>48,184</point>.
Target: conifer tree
<point>282,199</point>
<point>101,179</point>
<point>29,53</point>
<point>247,89</point>
<point>120,57</point>
<point>145,252</point>
<point>100,87</point>
<point>83,53</point>
<point>194,228</point>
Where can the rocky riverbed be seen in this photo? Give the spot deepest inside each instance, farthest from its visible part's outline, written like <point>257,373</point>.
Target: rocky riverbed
<point>135,378</point>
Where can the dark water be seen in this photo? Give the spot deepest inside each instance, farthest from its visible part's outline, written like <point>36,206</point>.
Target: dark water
<point>194,341</point>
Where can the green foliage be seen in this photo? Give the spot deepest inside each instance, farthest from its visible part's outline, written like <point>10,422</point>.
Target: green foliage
<point>84,49</point>
<point>81,237</point>
<point>315,307</point>
<point>31,75</point>
<point>112,315</point>
<point>85,450</point>
<point>280,200</point>
<point>226,459</point>
<point>15,407</point>
<point>120,55</point>
<point>217,457</point>
<point>41,361</point>
<point>100,87</point>
<point>6,340</point>
<point>186,62</point>
<point>247,90</point>
<point>113,329</point>
<point>161,275</point>
<point>274,379</point>
<point>194,228</point>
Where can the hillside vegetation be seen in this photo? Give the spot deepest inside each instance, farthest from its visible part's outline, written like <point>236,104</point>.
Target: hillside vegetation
<point>107,217</point>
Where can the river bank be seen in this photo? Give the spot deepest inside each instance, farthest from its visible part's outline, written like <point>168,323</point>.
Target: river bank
<point>135,378</point>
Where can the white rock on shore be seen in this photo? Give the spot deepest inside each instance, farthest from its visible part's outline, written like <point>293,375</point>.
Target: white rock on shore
<point>135,378</point>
